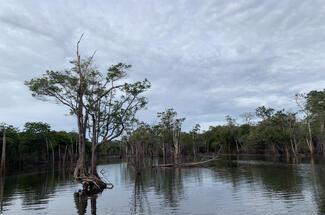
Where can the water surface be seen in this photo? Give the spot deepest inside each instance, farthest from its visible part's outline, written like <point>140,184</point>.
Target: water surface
<point>247,186</point>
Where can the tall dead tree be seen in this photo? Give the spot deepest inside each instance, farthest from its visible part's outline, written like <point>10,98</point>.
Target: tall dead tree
<point>177,128</point>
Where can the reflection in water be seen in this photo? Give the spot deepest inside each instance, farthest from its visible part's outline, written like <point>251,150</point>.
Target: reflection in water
<point>81,201</point>
<point>2,184</point>
<point>246,186</point>
<point>140,203</point>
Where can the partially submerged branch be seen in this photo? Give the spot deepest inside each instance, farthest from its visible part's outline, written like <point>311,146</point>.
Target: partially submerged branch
<point>191,164</point>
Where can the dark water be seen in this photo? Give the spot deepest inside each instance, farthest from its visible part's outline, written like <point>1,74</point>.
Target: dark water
<point>247,186</point>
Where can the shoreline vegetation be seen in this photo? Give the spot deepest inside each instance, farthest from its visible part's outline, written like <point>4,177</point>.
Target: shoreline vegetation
<point>105,106</point>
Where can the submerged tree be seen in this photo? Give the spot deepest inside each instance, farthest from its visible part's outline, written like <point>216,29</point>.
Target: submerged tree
<point>68,88</point>
<point>102,103</point>
<point>112,105</point>
<point>194,133</point>
<point>170,130</point>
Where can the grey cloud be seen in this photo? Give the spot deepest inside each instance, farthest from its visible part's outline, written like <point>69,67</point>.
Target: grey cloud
<point>204,58</point>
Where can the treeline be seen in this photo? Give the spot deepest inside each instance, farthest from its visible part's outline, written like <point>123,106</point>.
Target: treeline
<point>38,143</point>
<point>279,132</point>
<point>266,130</point>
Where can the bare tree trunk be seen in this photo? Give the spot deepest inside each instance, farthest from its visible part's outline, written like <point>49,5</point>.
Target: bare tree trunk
<point>237,148</point>
<point>164,151</point>
<point>193,146</point>
<point>293,148</point>
<point>322,137</point>
<point>3,155</point>
<point>47,149</point>
<point>82,118</point>
<point>64,155</point>
<point>94,143</point>
<point>176,146</point>
<point>53,156</point>
<point>80,169</point>
<point>59,154</point>
<point>310,141</point>
<point>93,161</point>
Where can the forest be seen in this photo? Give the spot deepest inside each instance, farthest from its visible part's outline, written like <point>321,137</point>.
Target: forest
<point>265,131</point>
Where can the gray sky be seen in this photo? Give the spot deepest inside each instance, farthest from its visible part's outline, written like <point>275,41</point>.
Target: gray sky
<point>204,58</point>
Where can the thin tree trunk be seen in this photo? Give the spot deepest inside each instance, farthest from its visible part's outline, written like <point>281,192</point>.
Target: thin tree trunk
<point>176,146</point>
<point>53,157</point>
<point>237,146</point>
<point>193,146</point>
<point>310,141</point>
<point>3,155</point>
<point>59,154</point>
<point>292,146</point>
<point>64,155</point>
<point>47,149</point>
<point>322,137</point>
<point>164,151</point>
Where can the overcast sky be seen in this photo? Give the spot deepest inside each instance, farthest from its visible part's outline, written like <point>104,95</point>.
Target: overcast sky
<point>204,58</point>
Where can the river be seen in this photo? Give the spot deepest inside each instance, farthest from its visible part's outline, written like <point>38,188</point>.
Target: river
<point>234,185</point>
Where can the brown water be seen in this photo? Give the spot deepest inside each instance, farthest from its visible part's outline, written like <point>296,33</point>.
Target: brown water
<point>247,186</point>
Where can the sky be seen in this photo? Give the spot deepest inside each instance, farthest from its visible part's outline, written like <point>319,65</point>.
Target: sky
<point>204,58</point>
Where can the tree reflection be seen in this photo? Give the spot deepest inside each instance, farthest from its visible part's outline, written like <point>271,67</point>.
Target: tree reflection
<point>316,177</point>
<point>2,184</point>
<point>276,178</point>
<point>169,183</point>
<point>139,203</point>
<point>81,202</point>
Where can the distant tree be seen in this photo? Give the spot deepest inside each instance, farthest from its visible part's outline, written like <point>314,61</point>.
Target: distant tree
<point>170,129</point>
<point>264,112</point>
<point>37,133</point>
<point>195,132</point>
<point>315,104</point>
<point>177,128</point>
<point>301,101</point>
<point>10,145</point>
<point>248,117</point>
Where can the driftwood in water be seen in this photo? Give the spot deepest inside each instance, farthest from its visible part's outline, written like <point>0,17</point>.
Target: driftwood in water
<point>191,164</point>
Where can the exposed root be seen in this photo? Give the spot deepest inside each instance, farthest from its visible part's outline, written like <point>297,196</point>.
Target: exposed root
<point>192,164</point>
<point>93,184</point>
